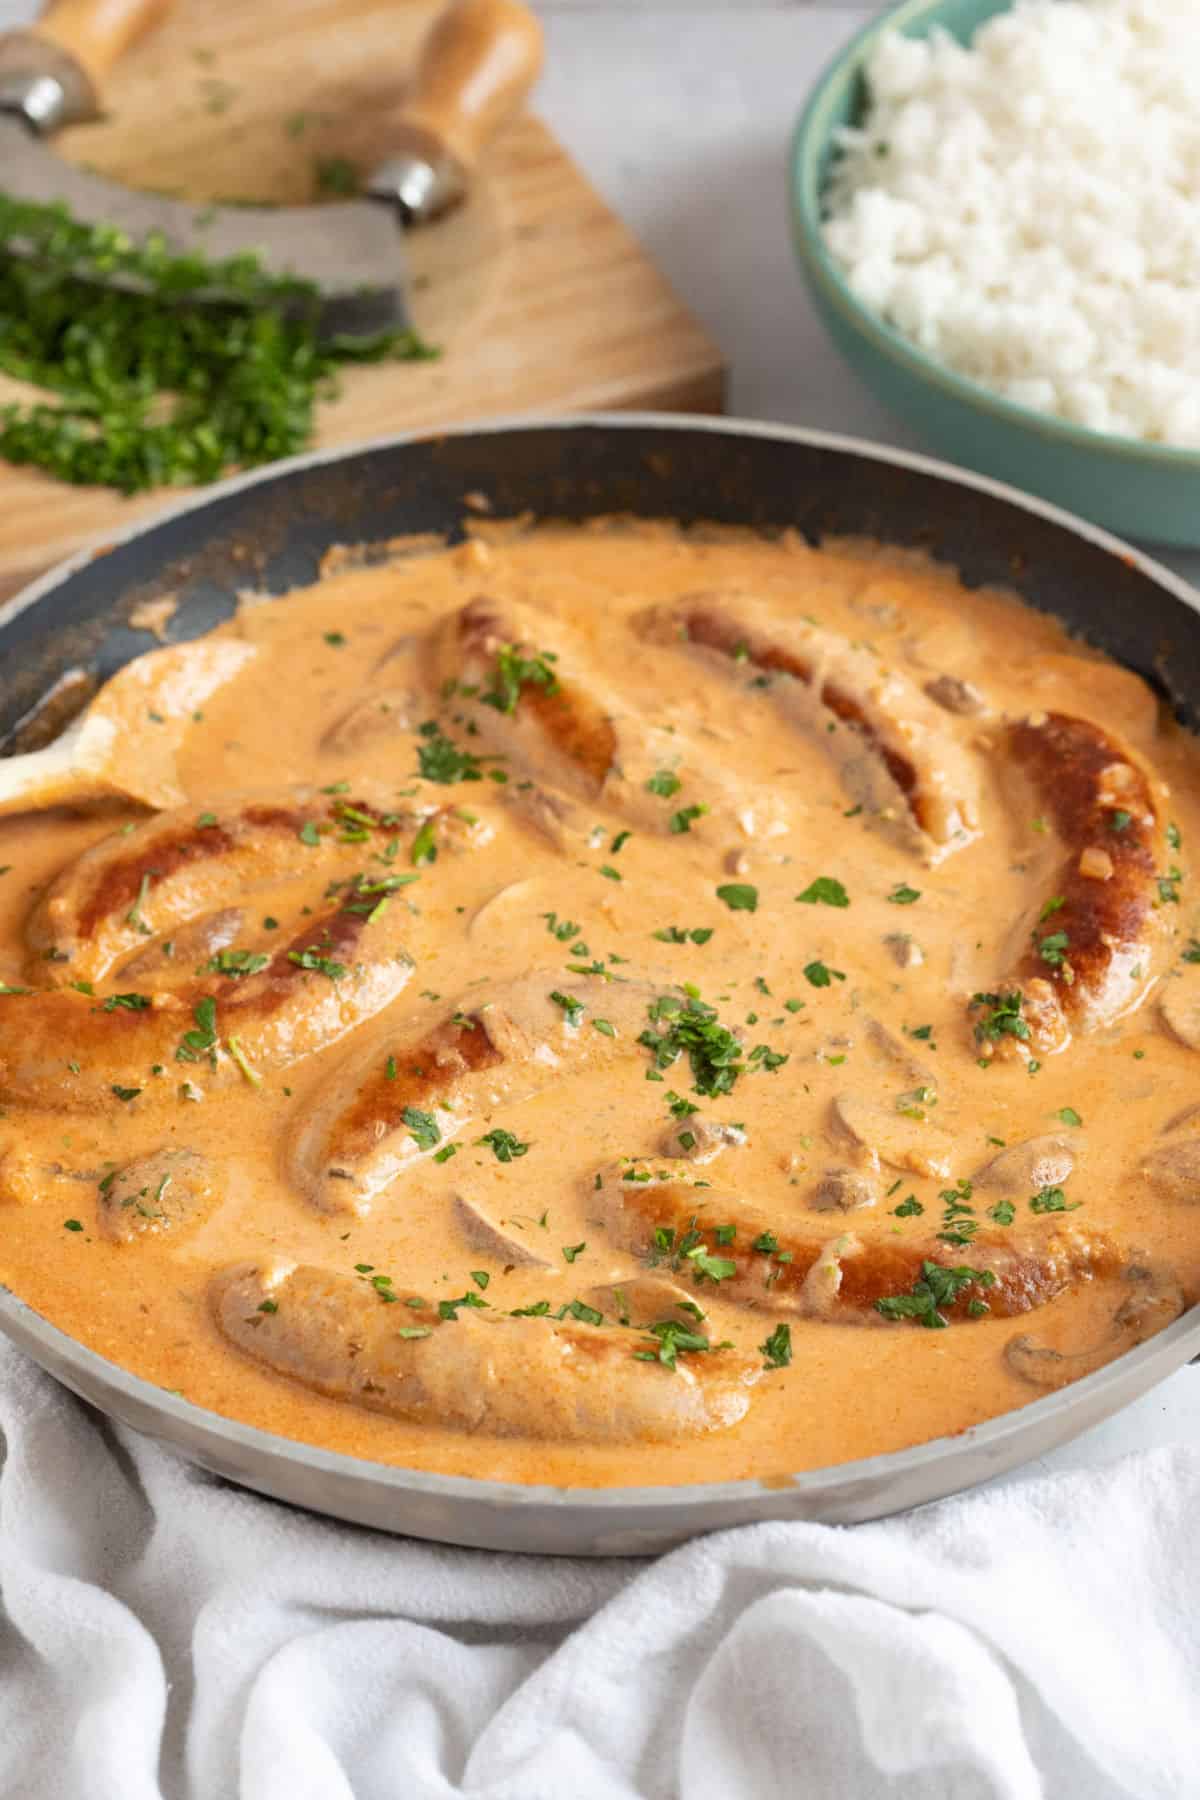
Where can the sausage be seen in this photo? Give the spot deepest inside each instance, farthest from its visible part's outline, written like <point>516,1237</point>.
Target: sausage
<point>60,1048</point>
<point>1096,941</point>
<point>568,733</point>
<point>514,1377</point>
<point>182,865</point>
<point>904,735</point>
<point>680,1226</point>
<point>415,1088</point>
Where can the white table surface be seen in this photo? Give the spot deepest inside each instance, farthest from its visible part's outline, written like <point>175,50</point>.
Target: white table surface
<point>681,116</point>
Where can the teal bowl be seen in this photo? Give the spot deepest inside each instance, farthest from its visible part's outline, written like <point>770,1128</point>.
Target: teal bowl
<point>1140,490</point>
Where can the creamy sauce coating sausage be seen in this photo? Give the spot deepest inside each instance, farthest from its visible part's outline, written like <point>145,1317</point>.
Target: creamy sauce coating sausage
<point>624,931</point>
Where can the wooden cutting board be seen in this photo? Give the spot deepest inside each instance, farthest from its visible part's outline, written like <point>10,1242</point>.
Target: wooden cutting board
<point>537,295</point>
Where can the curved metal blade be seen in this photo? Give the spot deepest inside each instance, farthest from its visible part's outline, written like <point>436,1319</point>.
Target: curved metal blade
<point>351,251</point>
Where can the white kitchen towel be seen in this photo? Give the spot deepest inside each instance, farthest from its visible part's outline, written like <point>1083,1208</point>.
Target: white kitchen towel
<point>166,1635</point>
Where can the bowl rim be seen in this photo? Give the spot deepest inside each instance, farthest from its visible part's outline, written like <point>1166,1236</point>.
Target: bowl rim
<point>810,140</point>
<point>195,1431</point>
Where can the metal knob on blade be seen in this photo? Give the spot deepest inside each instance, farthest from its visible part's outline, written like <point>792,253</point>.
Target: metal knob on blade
<point>39,99</point>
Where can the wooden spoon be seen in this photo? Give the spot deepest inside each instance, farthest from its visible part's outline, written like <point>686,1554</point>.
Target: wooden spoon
<point>124,745</point>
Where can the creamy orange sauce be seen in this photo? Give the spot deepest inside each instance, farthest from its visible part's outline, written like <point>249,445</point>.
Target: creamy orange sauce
<point>822,986</point>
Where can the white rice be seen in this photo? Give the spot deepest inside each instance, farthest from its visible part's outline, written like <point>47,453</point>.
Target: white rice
<point>1028,210</point>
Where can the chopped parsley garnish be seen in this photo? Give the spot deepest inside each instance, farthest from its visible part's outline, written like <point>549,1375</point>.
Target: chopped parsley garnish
<point>605,1027</point>
<point>904,896</point>
<point>310,833</point>
<point>134,915</point>
<point>573,1008</point>
<point>445,1153</point>
<point>1003,1212</point>
<point>777,1349</point>
<point>8,988</point>
<point>126,1003</point>
<point>1120,821</point>
<point>424,845</point>
<point>1001,1017</point>
<point>820,975</point>
<point>440,760</point>
<point>124,1093</point>
<point>240,1058</point>
<point>959,1223</point>
<point>1053,950</point>
<point>514,672</point>
<point>678,1106</point>
<point>562,929</point>
<point>1052,1200</point>
<point>448,1309</point>
<point>680,934</point>
<point>665,783</point>
<point>672,1338</point>
<point>692,1026</point>
<point>611,873</point>
<point>738,896</point>
<point>936,1288</point>
<point>1068,1115</point>
<point>708,1267</point>
<point>824,891</point>
<point>480,1277</point>
<point>909,1208</point>
<point>72,1225</point>
<point>1168,886</point>
<point>237,962</point>
<point>505,1147</point>
<point>322,965</point>
<point>1173,838</point>
<point>200,1043</point>
<point>423,1128</point>
<point>1053,905</point>
<point>571,1251</point>
<point>685,818</point>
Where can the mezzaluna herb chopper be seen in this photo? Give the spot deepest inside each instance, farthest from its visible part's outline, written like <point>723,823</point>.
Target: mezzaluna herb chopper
<point>476,68</point>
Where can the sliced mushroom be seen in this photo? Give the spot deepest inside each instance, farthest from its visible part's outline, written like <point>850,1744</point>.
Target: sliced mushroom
<point>956,696</point>
<point>700,1140</point>
<point>1180,1008</point>
<point>898,1052</point>
<point>490,1238</point>
<point>192,944</point>
<point>1173,1170</point>
<point>905,949</point>
<point>1155,1300</point>
<point>168,1190</point>
<point>844,1190</point>
<point>642,1300</point>
<point>374,716</point>
<point>1023,1168</point>
<point>884,1134</point>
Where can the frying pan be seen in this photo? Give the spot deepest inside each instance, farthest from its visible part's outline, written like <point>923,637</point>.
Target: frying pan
<point>268,531</point>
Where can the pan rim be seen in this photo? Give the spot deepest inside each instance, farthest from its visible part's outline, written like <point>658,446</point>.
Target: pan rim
<point>21,1323</point>
<point>34,1334</point>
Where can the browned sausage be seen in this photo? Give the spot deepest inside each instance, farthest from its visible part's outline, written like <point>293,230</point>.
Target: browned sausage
<point>1096,942</point>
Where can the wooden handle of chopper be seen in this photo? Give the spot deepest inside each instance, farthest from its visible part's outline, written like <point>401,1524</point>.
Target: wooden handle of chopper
<point>97,33</point>
<point>475,70</point>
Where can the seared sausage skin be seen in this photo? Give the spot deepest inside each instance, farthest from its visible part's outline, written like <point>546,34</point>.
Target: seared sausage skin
<point>60,1048</point>
<point>773,1266</point>
<point>1096,940</point>
<point>884,709</point>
